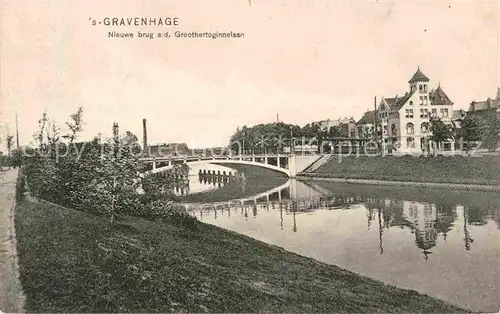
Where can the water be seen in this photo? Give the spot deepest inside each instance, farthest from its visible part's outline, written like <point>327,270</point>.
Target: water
<point>439,242</point>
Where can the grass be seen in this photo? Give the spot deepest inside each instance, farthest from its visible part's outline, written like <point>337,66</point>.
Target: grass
<point>457,169</point>
<point>71,261</point>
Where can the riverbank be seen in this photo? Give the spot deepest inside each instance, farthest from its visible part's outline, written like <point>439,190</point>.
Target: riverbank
<point>469,173</point>
<point>71,261</point>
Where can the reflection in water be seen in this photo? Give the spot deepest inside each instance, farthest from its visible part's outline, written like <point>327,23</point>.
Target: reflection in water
<point>294,221</point>
<point>381,232</point>
<point>281,215</point>
<point>468,240</point>
<point>424,220</point>
<point>408,241</point>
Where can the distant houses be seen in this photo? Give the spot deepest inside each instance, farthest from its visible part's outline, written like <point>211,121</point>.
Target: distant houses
<point>403,122</point>
<point>405,118</point>
<point>487,108</point>
<point>365,127</point>
<point>168,149</point>
<point>329,123</point>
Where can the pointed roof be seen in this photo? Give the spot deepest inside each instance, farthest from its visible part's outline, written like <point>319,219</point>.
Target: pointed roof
<point>439,97</point>
<point>418,77</point>
<point>401,101</point>
<point>390,102</point>
<point>368,117</point>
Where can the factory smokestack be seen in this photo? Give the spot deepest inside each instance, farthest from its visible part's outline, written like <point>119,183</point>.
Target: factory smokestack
<point>144,137</point>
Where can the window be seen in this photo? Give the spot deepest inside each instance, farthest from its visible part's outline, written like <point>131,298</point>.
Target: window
<point>446,112</point>
<point>441,112</point>
<point>393,130</point>
<point>411,113</point>
<point>424,127</point>
<point>434,112</point>
<point>420,88</point>
<point>421,113</point>
<point>421,100</point>
<point>411,102</point>
<point>426,101</point>
<point>407,113</point>
<point>425,88</point>
<point>410,128</point>
<point>426,113</point>
<point>410,143</point>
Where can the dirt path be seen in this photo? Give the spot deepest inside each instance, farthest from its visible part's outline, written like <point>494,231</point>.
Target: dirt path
<point>11,295</point>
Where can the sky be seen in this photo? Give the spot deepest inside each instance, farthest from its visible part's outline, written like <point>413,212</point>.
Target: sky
<point>304,61</point>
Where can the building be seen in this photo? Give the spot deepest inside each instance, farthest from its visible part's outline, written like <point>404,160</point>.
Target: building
<point>488,108</point>
<point>365,127</point>
<point>170,149</point>
<point>349,128</point>
<point>405,119</point>
<point>327,124</point>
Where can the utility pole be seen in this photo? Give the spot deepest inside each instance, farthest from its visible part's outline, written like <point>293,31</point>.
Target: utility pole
<point>17,133</point>
<point>375,122</point>
<point>18,152</point>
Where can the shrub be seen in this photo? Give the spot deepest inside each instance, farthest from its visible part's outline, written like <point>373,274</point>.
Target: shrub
<point>101,177</point>
<point>20,184</point>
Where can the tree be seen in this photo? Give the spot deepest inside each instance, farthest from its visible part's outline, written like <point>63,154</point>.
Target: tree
<point>75,125</point>
<point>441,132</point>
<point>491,133</point>
<point>120,172</point>
<point>103,178</point>
<point>53,134</point>
<point>471,129</point>
<point>39,136</point>
<point>10,143</point>
<point>263,138</point>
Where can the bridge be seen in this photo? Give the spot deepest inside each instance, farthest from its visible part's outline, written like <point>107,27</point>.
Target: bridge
<point>288,164</point>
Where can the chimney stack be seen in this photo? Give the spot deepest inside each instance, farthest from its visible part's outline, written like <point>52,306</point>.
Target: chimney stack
<point>144,137</point>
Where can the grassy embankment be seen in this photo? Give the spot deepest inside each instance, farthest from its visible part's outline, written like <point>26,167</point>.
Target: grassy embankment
<point>71,261</point>
<point>258,180</point>
<point>459,170</point>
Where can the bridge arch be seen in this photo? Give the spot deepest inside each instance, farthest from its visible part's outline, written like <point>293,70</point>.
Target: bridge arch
<point>201,205</point>
<point>227,162</point>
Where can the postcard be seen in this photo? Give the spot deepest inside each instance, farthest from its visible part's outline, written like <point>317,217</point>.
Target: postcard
<point>249,156</point>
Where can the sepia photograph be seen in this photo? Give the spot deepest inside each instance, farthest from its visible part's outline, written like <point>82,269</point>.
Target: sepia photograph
<point>224,156</point>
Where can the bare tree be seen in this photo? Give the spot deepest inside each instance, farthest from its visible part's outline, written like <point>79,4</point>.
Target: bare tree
<point>75,125</point>
<point>39,136</point>
<point>53,133</point>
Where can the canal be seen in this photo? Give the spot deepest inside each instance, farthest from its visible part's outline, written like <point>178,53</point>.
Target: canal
<point>442,243</point>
